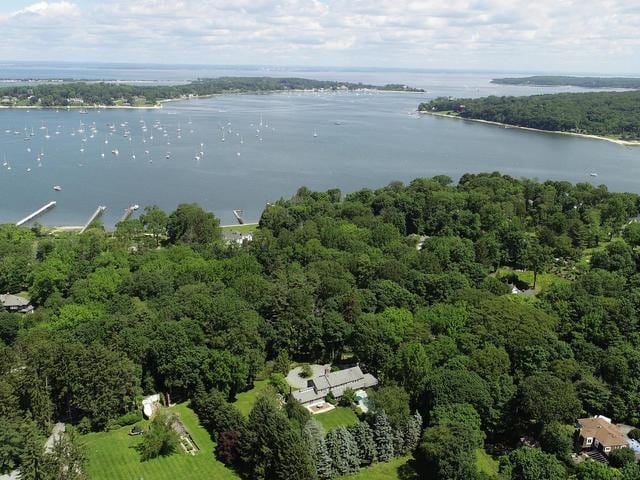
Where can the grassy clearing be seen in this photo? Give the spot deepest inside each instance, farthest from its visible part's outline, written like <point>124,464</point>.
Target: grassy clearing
<point>396,469</point>
<point>246,228</point>
<point>544,280</point>
<point>112,455</point>
<point>339,416</point>
<point>486,464</point>
<point>245,400</point>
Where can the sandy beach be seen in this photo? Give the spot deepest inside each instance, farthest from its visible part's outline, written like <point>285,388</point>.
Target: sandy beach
<point>625,143</point>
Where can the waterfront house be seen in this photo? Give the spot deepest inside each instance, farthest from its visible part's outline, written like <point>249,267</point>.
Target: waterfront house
<point>16,304</point>
<point>598,433</point>
<point>234,236</point>
<point>336,383</point>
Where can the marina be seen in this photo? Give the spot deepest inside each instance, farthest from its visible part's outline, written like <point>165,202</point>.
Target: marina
<point>239,152</point>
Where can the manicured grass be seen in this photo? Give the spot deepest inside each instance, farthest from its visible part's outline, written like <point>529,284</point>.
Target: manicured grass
<point>486,464</point>
<point>112,456</point>
<point>396,469</point>
<point>246,228</point>
<point>339,416</point>
<point>543,281</point>
<point>245,400</point>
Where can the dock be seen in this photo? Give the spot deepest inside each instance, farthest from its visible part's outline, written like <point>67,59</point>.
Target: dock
<point>128,212</point>
<point>38,212</point>
<point>238,214</point>
<point>96,214</point>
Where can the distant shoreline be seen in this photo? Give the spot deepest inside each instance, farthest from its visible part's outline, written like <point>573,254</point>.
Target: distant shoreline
<point>193,97</point>
<point>88,107</point>
<point>624,143</point>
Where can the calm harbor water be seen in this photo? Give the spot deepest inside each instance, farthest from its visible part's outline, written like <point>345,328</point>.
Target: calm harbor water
<point>217,152</point>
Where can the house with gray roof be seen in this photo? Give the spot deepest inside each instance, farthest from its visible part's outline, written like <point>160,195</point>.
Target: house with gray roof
<point>336,383</point>
<point>234,236</point>
<point>16,304</point>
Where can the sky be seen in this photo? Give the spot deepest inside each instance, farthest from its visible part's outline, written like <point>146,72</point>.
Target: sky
<point>571,36</point>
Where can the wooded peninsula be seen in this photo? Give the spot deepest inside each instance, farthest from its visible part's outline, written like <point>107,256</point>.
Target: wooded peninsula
<point>87,94</point>
<point>494,311</point>
<point>565,80</point>
<point>613,115</point>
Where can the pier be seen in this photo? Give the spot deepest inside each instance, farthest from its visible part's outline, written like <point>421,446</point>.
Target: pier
<point>96,214</point>
<point>238,214</point>
<point>128,212</point>
<point>38,212</point>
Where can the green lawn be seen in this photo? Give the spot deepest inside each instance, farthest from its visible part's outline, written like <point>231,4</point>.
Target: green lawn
<point>486,464</point>
<point>112,456</point>
<point>337,417</point>
<point>396,469</point>
<point>246,228</point>
<point>245,400</point>
<point>544,280</point>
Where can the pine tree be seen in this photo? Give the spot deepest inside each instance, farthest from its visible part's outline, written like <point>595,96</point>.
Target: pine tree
<point>413,431</point>
<point>271,447</point>
<point>335,450</point>
<point>67,459</point>
<point>343,451</point>
<point>363,435</point>
<point>352,453</point>
<point>313,434</point>
<point>398,439</point>
<point>40,403</point>
<point>292,459</point>
<point>32,461</point>
<point>383,435</point>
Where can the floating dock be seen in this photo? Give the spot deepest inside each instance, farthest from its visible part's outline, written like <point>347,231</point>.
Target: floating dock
<point>96,214</point>
<point>40,211</point>
<point>128,212</point>
<point>238,214</point>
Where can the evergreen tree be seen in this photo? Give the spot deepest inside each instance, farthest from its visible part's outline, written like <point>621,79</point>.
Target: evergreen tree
<point>67,459</point>
<point>293,459</point>
<point>398,439</point>
<point>334,449</point>
<point>40,403</point>
<point>383,435</point>
<point>32,461</point>
<point>413,430</point>
<point>343,451</point>
<point>363,435</point>
<point>271,447</point>
<point>313,434</point>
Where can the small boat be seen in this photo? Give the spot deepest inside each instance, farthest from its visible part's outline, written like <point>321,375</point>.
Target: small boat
<point>57,188</point>
<point>315,134</point>
<point>593,174</point>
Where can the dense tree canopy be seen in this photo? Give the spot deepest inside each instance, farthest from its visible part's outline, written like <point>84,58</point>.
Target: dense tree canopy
<point>169,307</point>
<point>610,114</point>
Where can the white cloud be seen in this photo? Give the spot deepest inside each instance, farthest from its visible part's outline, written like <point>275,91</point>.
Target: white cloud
<point>48,9</point>
<point>595,35</point>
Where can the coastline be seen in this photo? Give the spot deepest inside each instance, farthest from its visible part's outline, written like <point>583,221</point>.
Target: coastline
<point>84,107</point>
<point>180,99</point>
<point>624,143</point>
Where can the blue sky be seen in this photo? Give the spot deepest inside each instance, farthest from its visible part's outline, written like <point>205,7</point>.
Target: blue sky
<point>534,35</point>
